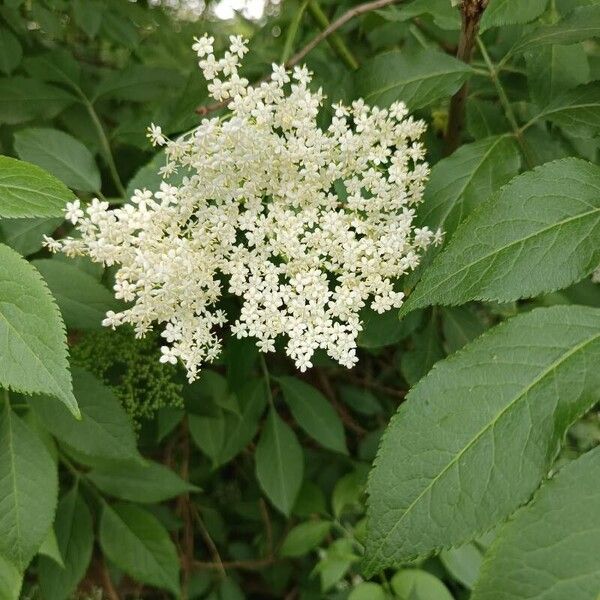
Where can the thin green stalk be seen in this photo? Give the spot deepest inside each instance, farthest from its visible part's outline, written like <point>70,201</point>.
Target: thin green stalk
<point>334,40</point>
<point>110,161</point>
<point>508,111</point>
<point>267,377</point>
<point>292,32</point>
<point>5,396</point>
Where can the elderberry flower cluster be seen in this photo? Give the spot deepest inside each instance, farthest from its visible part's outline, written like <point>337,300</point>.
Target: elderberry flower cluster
<point>304,225</point>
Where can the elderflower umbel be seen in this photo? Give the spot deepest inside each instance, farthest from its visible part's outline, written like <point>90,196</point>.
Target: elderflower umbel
<point>306,226</point>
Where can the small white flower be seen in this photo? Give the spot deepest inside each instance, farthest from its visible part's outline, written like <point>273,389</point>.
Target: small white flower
<point>305,226</point>
<point>73,211</point>
<point>203,46</point>
<point>168,355</point>
<point>155,135</point>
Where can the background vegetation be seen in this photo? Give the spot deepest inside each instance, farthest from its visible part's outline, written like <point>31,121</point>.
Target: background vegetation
<point>250,483</point>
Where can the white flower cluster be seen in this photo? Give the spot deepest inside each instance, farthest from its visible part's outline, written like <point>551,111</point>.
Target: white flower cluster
<point>304,225</point>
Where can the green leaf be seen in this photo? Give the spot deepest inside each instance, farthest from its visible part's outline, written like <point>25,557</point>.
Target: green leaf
<point>476,436</point>
<point>279,463</point>
<point>463,563</point>
<point>28,191</point>
<point>10,580</point>
<point>579,25</point>
<point>304,538</point>
<point>426,351</point>
<point>104,430</point>
<point>444,15</point>
<point>415,584</point>
<point>552,70</point>
<point>10,51</point>
<point>367,591</point>
<point>417,79</point>
<point>139,83</point>
<point>88,16</point>
<point>314,413</point>
<point>83,301</point>
<point>146,483</point>
<point>460,326</point>
<point>577,111</point>
<point>550,548</point>
<point>75,536</point>
<point>28,489</point>
<point>208,433</point>
<point>34,356</point>
<point>539,234</point>
<point>23,99</point>
<point>56,66</point>
<point>348,492</point>
<point>240,429</point>
<point>485,118</point>
<point>463,181</point>
<point>60,154</point>
<point>385,329</point>
<point>138,544</point>
<point>26,235</point>
<point>509,12</point>
<point>50,548</point>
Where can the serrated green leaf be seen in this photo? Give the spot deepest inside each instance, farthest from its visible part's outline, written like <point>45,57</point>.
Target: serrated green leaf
<point>509,12</point>
<point>476,436</point>
<point>550,548</point>
<point>279,463</point>
<point>28,191</point>
<point>417,79</point>
<point>577,111</point>
<point>304,537</point>
<point>463,181</point>
<point>314,413</point>
<point>104,430</point>
<point>579,25</point>
<point>26,235</point>
<point>553,69</point>
<point>32,336</point>
<point>11,51</point>
<point>10,580</point>
<point>28,489</point>
<point>23,99</point>
<point>539,234</point>
<point>75,536</point>
<point>149,482</point>
<point>138,544</point>
<point>83,301</point>
<point>60,154</point>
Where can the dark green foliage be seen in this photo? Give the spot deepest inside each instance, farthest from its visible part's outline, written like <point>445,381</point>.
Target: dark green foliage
<point>477,405</point>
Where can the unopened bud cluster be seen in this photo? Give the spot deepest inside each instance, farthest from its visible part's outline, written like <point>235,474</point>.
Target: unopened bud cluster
<point>305,225</point>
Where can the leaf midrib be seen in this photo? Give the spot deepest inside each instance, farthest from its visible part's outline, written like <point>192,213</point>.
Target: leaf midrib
<point>564,357</point>
<point>502,249</point>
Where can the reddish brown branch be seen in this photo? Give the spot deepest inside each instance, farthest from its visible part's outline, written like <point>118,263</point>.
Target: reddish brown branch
<point>471,12</point>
